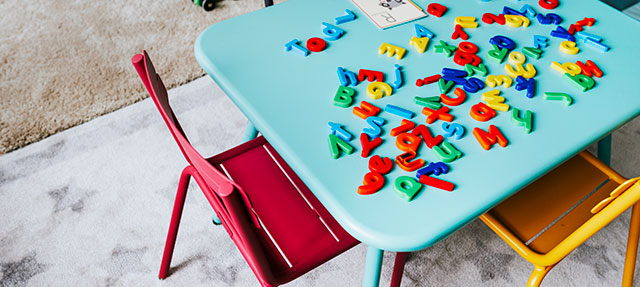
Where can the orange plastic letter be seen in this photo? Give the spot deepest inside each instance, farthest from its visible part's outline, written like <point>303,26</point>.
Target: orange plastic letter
<point>405,163</point>
<point>408,142</point>
<point>372,182</point>
<point>440,114</point>
<point>487,139</point>
<point>365,110</point>
<point>455,101</point>
<point>406,126</point>
<point>481,112</point>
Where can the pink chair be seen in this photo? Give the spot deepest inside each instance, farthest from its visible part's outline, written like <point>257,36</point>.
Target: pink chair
<point>280,228</point>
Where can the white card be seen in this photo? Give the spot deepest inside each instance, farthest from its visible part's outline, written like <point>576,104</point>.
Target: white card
<point>389,13</point>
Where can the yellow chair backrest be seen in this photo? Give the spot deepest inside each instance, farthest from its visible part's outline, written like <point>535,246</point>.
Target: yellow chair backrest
<point>614,194</point>
<point>626,195</point>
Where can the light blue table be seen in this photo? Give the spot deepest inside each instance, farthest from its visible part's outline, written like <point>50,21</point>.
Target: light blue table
<point>289,98</point>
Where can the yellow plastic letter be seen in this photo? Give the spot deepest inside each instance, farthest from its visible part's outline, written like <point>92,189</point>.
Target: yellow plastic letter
<point>392,50</point>
<point>377,90</point>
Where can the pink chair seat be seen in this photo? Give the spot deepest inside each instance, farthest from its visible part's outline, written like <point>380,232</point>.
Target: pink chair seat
<point>297,234</point>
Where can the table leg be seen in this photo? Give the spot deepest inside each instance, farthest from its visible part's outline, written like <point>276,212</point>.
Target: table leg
<point>604,150</point>
<point>372,267</point>
<point>250,133</point>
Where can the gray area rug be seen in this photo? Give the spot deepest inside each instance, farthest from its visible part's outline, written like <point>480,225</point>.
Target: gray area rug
<point>90,206</point>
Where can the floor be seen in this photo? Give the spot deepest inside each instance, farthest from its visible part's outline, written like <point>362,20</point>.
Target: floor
<point>91,206</point>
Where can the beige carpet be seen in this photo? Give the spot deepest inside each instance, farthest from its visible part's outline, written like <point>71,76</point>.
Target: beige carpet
<point>65,62</point>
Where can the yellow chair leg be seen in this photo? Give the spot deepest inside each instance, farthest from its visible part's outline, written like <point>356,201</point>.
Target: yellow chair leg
<point>537,275</point>
<point>632,246</point>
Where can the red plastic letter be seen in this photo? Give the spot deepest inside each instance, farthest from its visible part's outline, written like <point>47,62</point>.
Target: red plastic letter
<point>437,183</point>
<point>462,58</point>
<point>372,182</point>
<point>428,80</point>
<point>371,76</point>
<point>488,139</point>
<point>590,68</point>
<point>586,21</point>
<point>468,47</point>
<point>459,33</point>
<point>316,44</point>
<point>490,18</point>
<point>380,165</point>
<point>436,9</point>
<point>368,146</point>
<point>573,28</point>
<point>424,132</point>
<point>548,4</point>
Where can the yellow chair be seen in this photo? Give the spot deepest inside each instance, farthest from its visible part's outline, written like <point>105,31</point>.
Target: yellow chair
<point>551,217</point>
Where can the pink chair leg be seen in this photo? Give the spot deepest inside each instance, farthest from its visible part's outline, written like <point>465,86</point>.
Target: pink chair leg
<point>398,269</point>
<point>178,205</point>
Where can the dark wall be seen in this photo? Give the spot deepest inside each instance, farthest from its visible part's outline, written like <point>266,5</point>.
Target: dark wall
<point>620,4</point>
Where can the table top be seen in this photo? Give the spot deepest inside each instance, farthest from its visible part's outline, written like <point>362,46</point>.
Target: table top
<point>289,98</point>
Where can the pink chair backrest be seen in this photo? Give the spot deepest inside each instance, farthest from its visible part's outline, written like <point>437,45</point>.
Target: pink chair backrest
<point>234,208</point>
<point>158,93</point>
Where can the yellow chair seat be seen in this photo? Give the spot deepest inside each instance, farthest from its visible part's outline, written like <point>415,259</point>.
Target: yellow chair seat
<point>555,194</point>
<point>551,217</point>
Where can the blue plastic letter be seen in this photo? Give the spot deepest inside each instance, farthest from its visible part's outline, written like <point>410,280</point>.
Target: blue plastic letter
<point>346,18</point>
<point>452,130</point>
<point>331,32</point>
<point>421,31</point>
<point>294,44</point>
<point>374,129</point>
<point>503,42</point>
<point>540,41</point>
<point>347,78</point>
<point>338,130</point>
